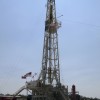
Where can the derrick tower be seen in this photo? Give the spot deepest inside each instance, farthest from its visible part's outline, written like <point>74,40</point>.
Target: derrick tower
<point>50,73</point>
<point>48,86</point>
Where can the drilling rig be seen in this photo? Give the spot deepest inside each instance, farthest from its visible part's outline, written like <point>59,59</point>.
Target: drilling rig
<point>50,62</point>
<point>48,85</point>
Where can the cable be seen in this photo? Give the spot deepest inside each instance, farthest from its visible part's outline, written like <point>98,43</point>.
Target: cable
<point>84,23</point>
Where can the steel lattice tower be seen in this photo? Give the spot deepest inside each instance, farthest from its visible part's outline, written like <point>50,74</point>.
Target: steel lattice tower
<point>43,88</point>
<point>50,61</point>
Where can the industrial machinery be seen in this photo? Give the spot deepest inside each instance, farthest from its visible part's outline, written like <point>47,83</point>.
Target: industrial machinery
<point>48,85</point>
<point>74,95</point>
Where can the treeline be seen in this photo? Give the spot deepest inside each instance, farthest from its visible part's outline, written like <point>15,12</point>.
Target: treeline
<point>87,98</point>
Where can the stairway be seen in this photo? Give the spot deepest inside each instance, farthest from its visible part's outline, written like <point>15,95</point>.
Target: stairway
<point>20,90</point>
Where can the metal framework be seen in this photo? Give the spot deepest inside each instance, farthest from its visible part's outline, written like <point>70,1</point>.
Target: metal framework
<point>43,88</point>
<point>50,61</point>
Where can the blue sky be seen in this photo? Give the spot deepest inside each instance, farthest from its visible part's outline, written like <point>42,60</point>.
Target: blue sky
<point>21,43</point>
